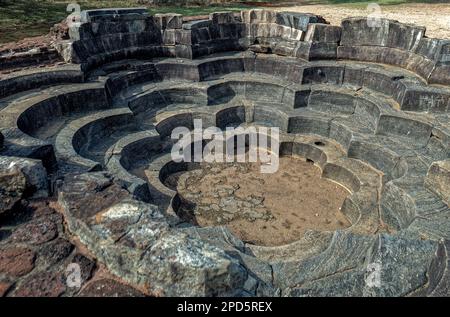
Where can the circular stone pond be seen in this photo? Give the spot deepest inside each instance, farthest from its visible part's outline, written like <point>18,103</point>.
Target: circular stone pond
<point>363,178</point>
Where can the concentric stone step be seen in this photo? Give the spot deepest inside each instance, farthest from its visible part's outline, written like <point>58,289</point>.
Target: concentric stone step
<point>370,107</point>
<point>78,134</point>
<point>27,80</point>
<point>127,154</point>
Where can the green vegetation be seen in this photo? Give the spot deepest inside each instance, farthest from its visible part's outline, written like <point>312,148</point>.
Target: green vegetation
<point>26,18</point>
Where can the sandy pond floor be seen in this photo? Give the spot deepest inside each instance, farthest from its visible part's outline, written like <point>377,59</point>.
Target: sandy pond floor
<point>264,209</point>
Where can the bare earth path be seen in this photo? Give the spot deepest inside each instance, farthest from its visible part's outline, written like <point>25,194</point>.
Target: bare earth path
<point>435,17</point>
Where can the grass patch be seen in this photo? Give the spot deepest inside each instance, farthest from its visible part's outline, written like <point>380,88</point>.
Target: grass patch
<point>26,18</point>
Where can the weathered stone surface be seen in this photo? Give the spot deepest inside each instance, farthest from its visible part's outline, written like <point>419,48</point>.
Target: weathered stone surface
<point>427,100</point>
<point>56,251</point>
<point>12,188</point>
<point>439,75</point>
<point>129,226</point>
<point>260,49</point>
<point>25,80</point>
<point>183,37</point>
<point>200,269</point>
<point>37,231</point>
<point>433,49</point>
<point>315,50</point>
<point>16,261</point>
<point>44,284</point>
<point>82,193</point>
<point>298,20</point>
<point>36,183</point>
<point>439,285</point>
<point>112,14</point>
<point>402,264</point>
<point>318,32</point>
<point>190,25</point>
<point>258,16</point>
<point>438,179</point>
<point>89,31</point>
<point>404,128</point>
<point>67,52</point>
<point>350,249</point>
<point>191,39</point>
<point>356,31</point>
<point>169,37</point>
<point>39,207</point>
<point>221,17</point>
<point>404,36</point>
<point>169,20</point>
<point>391,42</point>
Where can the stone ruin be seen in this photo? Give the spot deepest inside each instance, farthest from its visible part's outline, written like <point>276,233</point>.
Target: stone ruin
<point>369,105</point>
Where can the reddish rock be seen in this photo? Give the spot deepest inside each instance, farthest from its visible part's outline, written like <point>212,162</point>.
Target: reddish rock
<point>28,53</point>
<point>87,266</point>
<point>56,251</point>
<point>26,44</point>
<point>109,288</point>
<point>40,208</point>
<point>4,287</point>
<point>37,231</point>
<point>87,194</point>
<point>44,284</point>
<point>16,261</point>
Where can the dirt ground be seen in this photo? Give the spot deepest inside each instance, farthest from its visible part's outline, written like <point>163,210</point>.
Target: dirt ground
<point>435,17</point>
<point>264,209</point>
